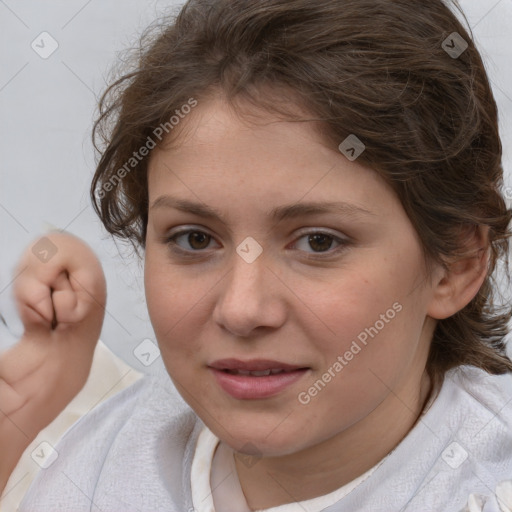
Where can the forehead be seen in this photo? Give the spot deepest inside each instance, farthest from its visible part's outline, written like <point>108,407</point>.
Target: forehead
<point>219,153</point>
<point>218,122</point>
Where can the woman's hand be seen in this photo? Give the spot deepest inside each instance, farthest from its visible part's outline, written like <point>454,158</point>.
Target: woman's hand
<point>60,293</point>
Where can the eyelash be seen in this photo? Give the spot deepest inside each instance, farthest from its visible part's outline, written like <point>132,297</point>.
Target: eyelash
<point>175,248</point>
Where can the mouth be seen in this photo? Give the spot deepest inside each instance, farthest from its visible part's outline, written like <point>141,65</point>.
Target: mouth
<point>254,367</point>
<point>260,373</point>
<point>255,379</point>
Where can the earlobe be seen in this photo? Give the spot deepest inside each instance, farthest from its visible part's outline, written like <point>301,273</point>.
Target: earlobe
<point>461,280</point>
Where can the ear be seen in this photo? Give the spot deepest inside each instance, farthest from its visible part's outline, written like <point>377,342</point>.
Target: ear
<point>455,286</point>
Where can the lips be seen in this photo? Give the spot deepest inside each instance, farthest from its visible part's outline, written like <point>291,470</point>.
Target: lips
<point>260,373</point>
<point>255,379</point>
<point>257,367</point>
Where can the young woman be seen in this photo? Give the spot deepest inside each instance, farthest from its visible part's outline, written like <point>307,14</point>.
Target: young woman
<point>316,188</point>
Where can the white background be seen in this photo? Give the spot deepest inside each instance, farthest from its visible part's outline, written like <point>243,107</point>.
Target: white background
<point>47,107</point>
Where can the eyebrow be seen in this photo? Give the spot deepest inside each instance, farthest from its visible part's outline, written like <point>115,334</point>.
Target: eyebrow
<point>278,214</point>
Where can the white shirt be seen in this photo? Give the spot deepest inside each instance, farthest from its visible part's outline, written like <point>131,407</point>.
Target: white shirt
<point>216,487</point>
<point>135,452</point>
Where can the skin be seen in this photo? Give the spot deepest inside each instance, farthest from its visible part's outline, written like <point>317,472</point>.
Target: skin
<point>61,303</point>
<point>294,303</point>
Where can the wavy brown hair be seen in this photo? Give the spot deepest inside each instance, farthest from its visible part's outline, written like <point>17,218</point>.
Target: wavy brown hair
<point>373,68</point>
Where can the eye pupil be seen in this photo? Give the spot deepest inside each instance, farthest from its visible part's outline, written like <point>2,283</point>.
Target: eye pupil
<point>324,241</point>
<point>196,236</point>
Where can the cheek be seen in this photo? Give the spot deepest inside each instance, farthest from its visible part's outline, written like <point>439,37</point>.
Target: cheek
<point>373,316</point>
<point>348,303</point>
<point>176,303</point>
<point>164,295</point>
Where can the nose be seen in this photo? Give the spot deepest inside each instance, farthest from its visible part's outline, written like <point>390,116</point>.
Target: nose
<point>250,298</point>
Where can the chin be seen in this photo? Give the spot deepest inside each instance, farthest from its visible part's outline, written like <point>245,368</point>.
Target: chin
<point>258,441</point>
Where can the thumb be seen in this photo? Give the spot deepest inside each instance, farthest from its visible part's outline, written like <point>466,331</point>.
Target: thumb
<point>68,308</point>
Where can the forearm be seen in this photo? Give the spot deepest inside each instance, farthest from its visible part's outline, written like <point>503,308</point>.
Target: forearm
<point>13,442</point>
<point>17,415</point>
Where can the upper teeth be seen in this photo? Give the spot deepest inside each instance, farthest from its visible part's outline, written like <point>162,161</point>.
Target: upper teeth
<point>260,373</point>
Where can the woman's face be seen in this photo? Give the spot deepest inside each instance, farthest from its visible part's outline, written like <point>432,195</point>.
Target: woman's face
<point>267,250</point>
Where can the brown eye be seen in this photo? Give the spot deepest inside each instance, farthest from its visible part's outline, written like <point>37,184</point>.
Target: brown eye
<point>320,242</point>
<point>198,240</point>
<point>189,241</point>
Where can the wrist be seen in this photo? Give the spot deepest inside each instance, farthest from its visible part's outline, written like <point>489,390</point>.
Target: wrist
<point>13,443</point>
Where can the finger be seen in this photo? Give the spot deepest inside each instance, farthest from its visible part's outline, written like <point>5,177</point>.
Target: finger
<point>34,304</point>
<point>67,303</point>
